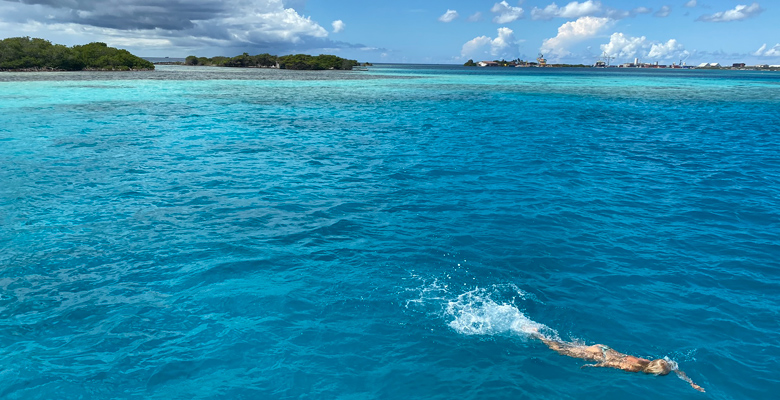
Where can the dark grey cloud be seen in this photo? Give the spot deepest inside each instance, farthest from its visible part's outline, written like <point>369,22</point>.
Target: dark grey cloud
<point>214,27</point>
<point>229,21</point>
<point>134,14</point>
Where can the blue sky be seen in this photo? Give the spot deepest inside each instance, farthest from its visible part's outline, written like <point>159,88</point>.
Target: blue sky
<point>432,31</point>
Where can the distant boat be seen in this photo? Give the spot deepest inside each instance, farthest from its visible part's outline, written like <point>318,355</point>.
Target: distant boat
<point>541,60</point>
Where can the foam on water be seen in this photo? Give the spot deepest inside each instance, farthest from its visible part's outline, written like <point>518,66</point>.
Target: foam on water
<point>495,310</point>
<point>476,313</point>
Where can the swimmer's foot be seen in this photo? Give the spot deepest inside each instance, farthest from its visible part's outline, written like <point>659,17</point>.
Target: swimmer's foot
<point>532,331</point>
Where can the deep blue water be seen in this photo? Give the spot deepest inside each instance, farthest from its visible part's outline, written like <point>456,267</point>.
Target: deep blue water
<point>201,233</point>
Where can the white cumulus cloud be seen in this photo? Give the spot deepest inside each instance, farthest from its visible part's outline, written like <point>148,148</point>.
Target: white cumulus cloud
<point>671,49</point>
<point>449,16</point>
<point>621,46</point>
<point>477,16</point>
<point>475,46</point>
<point>625,47</point>
<point>690,4</point>
<point>504,44</point>
<point>271,23</point>
<point>338,26</point>
<point>506,13</point>
<point>763,52</point>
<point>663,12</point>
<point>573,32</point>
<point>739,13</point>
<point>571,10</point>
<point>760,50</point>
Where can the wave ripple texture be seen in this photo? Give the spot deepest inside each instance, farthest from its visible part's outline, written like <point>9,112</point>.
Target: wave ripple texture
<point>201,233</point>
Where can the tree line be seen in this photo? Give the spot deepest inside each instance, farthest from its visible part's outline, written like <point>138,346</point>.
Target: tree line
<point>25,53</point>
<point>293,61</point>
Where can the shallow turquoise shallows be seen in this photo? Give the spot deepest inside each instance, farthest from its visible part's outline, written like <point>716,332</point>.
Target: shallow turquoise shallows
<point>207,233</point>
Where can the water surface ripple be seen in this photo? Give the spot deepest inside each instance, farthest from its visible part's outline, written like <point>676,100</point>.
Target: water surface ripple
<point>196,233</point>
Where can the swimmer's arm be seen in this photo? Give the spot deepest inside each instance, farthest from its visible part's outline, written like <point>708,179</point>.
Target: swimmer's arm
<point>685,378</point>
<point>552,344</point>
<point>558,346</point>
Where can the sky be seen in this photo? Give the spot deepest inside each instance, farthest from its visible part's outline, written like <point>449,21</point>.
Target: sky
<point>414,31</point>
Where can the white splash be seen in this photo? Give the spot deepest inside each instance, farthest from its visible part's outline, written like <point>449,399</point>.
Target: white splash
<point>476,313</point>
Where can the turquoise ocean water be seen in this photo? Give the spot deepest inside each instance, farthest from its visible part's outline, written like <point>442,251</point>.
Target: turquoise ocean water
<point>202,233</point>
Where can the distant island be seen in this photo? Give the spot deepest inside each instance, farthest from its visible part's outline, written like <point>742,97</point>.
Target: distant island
<point>540,62</point>
<point>293,61</point>
<point>33,54</point>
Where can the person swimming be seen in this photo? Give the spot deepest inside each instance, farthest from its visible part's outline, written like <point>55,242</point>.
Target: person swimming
<point>604,356</point>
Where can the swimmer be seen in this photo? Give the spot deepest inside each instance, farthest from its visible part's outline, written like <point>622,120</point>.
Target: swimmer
<point>609,358</point>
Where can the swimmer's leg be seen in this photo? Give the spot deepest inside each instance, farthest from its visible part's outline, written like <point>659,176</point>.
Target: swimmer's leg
<point>597,365</point>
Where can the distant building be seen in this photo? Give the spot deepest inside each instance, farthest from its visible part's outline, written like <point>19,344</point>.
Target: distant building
<point>487,64</point>
<point>738,65</point>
